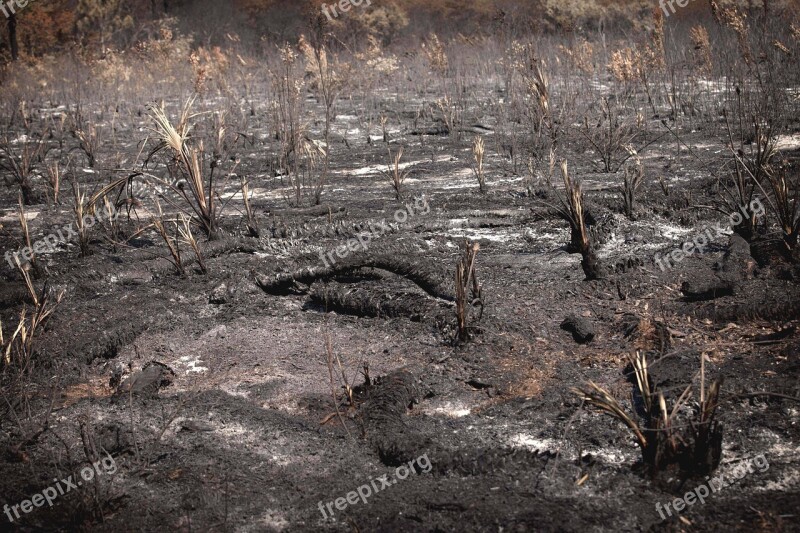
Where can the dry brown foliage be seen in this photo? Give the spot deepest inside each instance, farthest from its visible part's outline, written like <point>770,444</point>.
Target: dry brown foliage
<point>701,48</point>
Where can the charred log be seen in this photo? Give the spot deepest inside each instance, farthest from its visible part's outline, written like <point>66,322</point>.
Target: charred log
<point>361,301</point>
<point>426,278</point>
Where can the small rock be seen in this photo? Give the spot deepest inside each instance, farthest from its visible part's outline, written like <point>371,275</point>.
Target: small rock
<point>706,287</point>
<point>737,264</point>
<point>135,277</point>
<point>479,384</point>
<point>153,377</point>
<point>582,329</point>
<point>218,332</point>
<point>119,370</point>
<point>220,294</point>
<point>194,426</point>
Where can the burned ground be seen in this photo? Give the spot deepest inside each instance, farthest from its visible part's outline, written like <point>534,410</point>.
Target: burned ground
<point>214,391</point>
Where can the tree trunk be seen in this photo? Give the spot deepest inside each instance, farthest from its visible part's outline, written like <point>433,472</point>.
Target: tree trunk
<point>12,36</point>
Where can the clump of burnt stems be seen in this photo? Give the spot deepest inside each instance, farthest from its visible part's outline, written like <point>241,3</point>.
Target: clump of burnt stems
<point>666,437</point>
<point>18,354</point>
<point>785,203</point>
<point>187,167</point>
<point>571,209</point>
<point>19,160</point>
<point>632,181</point>
<point>468,292</point>
<point>183,235</point>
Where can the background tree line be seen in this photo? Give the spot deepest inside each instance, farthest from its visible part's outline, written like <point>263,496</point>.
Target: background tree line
<point>53,26</point>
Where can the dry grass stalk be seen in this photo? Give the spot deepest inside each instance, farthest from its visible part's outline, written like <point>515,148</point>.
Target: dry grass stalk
<point>537,174</point>
<point>26,277</point>
<point>200,74</point>
<point>395,174</point>
<point>54,179</point>
<point>376,60</point>
<point>111,215</point>
<point>333,360</point>
<point>317,66</point>
<point>633,65</point>
<point>597,396</point>
<point>126,193</point>
<point>656,50</point>
<point>81,211</point>
<point>330,78</point>
<point>752,164</point>
<point>437,57</point>
<point>639,363</point>
<point>664,186</point>
<point>538,87</point>
<point>580,55</point>
<point>478,151</point>
<point>252,222</point>
<point>185,230</point>
<point>449,112</point>
<point>172,245</point>
<point>220,129</point>
<point>625,65</point>
<point>26,234</point>
<point>781,47</point>
<point>209,65</point>
<point>737,21</point>
<point>702,49</point>
<point>512,62</point>
<point>384,120</point>
<point>532,176</point>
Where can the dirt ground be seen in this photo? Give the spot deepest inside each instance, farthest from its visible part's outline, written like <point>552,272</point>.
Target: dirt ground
<point>239,431</point>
